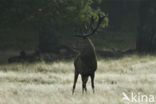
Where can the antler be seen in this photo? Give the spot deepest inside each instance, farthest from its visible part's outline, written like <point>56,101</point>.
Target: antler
<point>90,30</point>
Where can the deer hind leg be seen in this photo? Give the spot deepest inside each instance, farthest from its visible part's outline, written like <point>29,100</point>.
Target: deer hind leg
<point>84,81</point>
<point>92,81</point>
<point>75,80</point>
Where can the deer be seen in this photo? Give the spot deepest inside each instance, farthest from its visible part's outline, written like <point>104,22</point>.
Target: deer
<point>85,62</point>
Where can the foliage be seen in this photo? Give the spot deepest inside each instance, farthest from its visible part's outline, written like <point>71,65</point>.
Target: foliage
<point>56,14</point>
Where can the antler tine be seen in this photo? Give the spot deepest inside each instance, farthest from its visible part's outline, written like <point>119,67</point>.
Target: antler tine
<point>97,26</point>
<point>90,28</point>
<point>87,28</point>
<point>92,21</point>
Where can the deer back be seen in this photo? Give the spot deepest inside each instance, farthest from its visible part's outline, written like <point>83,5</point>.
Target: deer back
<point>86,61</point>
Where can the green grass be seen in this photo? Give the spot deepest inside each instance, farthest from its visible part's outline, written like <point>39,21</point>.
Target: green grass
<point>42,83</point>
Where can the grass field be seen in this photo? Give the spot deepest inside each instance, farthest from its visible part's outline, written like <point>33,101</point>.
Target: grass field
<point>42,83</point>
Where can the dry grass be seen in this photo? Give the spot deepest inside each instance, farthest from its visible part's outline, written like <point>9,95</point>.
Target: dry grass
<point>42,83</point>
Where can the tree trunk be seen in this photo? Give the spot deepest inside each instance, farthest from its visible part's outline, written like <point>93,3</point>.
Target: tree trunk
<point>146,37</point>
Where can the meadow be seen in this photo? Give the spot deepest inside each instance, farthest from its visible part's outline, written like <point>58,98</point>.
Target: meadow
<point>51,83</point>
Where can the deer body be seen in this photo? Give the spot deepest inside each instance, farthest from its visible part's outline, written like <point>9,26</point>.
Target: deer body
<point>85,62</point>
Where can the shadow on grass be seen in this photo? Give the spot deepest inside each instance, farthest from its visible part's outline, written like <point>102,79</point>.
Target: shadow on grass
<point>50,58</point>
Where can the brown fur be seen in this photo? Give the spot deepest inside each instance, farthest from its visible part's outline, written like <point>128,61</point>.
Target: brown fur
<point>85,63</point>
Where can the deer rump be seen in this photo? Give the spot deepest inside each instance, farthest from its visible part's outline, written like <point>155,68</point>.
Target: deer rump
<point>85,62</point>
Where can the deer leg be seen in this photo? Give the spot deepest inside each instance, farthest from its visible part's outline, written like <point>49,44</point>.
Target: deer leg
<point>75,80</point>
<point>84,81</point>
<point>92,81</point>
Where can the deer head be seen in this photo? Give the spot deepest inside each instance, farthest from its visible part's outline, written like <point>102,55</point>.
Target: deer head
<point>89,30</point>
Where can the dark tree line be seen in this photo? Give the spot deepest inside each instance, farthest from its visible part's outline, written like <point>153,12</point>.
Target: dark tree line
<point>49,17</point>
<point>146,38</point>
<point>54,17</point>
<point>146,23</point>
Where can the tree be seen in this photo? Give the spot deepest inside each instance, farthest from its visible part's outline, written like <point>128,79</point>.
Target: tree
<point>62,16</point>
<point>146,38</point>
<point>49,17</point>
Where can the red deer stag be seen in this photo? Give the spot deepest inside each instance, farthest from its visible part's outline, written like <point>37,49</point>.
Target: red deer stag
<point>85,63</point>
